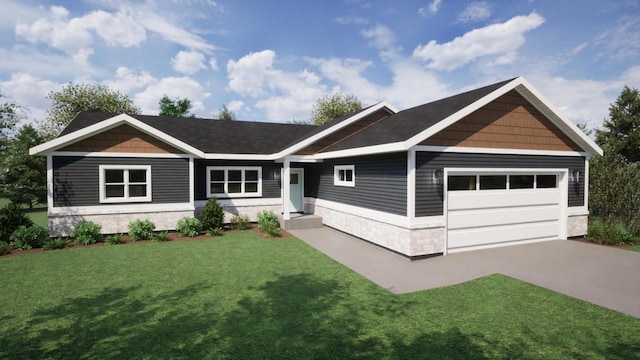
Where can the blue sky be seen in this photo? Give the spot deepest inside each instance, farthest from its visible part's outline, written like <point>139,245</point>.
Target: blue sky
<point>271,60</point>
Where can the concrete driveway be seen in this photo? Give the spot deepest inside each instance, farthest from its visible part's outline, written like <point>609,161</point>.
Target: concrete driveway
<point>601,275</point>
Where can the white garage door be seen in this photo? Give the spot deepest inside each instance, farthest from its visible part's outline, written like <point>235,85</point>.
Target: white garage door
<point>496,209</point>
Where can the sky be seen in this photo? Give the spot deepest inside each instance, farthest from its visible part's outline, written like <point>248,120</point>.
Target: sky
<point>272,60</point>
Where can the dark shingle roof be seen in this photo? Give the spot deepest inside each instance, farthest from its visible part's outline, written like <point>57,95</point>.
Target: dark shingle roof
<point>407,123</point>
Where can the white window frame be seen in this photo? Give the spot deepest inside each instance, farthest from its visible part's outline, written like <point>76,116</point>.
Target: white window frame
<point>126,198</point>
<point>336,175</point>
<point>242,193</point>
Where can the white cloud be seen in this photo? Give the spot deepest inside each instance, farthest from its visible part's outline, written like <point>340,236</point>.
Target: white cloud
<point>171,32</point>
<point>213,63</point>
<point>29,91</point>
<point>499,40</point>
<point>235,105</point>
<point>126,80</point>
<point>475,11</point>
<point>177,87</point>
<point>41,63</point>
<point>621,40</point>
<point>246,76</point>
<point>432,8</point>
<point>382,38</point>
<point>188,62</point>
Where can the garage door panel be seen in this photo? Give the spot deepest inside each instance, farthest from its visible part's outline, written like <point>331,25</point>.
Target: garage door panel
<point>501,234</point>
<point>458,200</point>
<point>461,219</point>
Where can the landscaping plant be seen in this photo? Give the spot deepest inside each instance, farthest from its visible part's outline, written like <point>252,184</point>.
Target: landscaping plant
<point>141,230</point>
<point>215,232</point>
<point>160,237</point>
<point>11,219</point>
<point>189,226</point>
<point>86,232</point>
<point>240,222</point>
<point>5,248</point>
<point>114,239</point>
<point>25,238</point>
<point>55,244</point>
<point>268,223</point>
<point>212,215</point>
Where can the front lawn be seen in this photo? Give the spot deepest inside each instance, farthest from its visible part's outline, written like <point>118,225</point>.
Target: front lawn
<point>243,297</point>
<point>38,214</point>
<point>634,248</point>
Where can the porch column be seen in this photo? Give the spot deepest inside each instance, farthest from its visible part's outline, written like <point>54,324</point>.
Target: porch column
<point>286,193</point>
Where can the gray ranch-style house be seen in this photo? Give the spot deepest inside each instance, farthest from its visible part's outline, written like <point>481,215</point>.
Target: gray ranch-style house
<point>494,166</point>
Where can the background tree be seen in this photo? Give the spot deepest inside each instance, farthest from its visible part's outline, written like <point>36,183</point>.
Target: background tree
<point>621,134</point>
<point>330,107</point>
<point>10,115</point>
<point>175,107</point>
<point>74,98</point>
<point>23,177</point>
<point>225,114</point>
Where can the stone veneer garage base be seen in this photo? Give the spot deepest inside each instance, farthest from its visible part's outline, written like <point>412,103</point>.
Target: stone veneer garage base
<point>61,225</point>
<point>408,242</point>
<point>577,225</point>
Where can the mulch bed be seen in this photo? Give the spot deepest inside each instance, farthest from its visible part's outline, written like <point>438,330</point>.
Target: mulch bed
<point>173,237</point>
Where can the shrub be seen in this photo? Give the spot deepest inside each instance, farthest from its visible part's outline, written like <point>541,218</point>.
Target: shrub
<point>212,215</point>
<point>86,232</point>
<point>215,232</point>
<point>141,230</point>
<point>114,239</point>
<point>56,244</point>
<point>268,223</point>
<point>25,238</point>
<point>5,248</point>
<point>160,237</point>
<point>602,233</point>
<point>12,218</point>
<point>189,226</point>
<point>240,222</point>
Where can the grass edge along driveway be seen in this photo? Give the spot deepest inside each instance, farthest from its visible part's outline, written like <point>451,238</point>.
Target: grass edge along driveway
<point>240,296</point>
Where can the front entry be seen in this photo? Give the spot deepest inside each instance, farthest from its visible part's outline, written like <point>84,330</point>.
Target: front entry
<point>296,190</point>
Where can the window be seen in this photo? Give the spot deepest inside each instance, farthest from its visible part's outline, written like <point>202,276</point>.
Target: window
<point>546,181</point>
<point>125,183</point>
<point>462,182</point>
<point>521,181</point>
<point>234,181</point>
<point>344,175</point>
<point>493,182</point>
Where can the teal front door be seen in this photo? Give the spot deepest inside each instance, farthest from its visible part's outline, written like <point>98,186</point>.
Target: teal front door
<point>296,190</point>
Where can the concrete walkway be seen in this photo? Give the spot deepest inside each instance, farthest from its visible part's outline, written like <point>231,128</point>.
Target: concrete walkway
<point>604,276</point>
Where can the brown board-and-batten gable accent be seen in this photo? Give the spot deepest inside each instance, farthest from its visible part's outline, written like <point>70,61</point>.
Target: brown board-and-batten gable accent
<point>345,133</point>
<point>509,122</point>
<point>123,139</point>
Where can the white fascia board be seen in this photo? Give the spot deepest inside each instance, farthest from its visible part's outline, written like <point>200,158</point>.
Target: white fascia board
<point>301,145</point>
<point>366,150</point>
<point>121,155</point>
<point>475,150</point>
<point>525,89</point>
<point>239,156</point>
<point>451,119</point>
<point>108,124</point>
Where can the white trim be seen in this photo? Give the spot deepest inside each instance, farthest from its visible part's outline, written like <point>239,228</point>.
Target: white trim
<point>459,149</point>
<point>105,209</point>
<point>336,175</point>
<point>411,185</point>
<point>192,176</point>
<point>116,154</point>
<point>586,182</point>
<point>125,183</point>
<point>108,124</point>
<point>577,211</point>
<point>242,202</point>
<point>216,156</point>
<point>49,182</point>
<point>489,246</point>
<point>286,191</point>
<point>366,150</point>
<point>331,129</point>
<point>243,181</point>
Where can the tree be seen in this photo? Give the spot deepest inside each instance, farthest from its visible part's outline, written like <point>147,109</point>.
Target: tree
<point>622,130</point>
<point>330,107</point>
<point>225,114</point>
<point>74,98</point>
<point>23,177</point>
<point>175,107</point>
<point>10,115</point>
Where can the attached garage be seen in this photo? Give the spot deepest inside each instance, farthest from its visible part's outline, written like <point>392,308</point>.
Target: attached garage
<point>487,208</point>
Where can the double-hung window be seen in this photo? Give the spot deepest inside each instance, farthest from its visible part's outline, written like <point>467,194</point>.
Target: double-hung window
<point>344,175</point>
<point>125,183</point>
<point>234,181</point>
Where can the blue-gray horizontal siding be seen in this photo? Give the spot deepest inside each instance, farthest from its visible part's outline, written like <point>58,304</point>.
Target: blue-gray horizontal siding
<point>380,182</point>
<point>76,179</point>
<point>429,197</point>
<point>270,186</point>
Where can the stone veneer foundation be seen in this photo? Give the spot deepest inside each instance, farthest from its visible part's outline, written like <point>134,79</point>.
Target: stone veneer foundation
<point>577,225</point>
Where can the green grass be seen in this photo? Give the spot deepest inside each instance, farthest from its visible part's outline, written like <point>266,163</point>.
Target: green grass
<point>242,297</point>
<point>634,248</point>
<point>38,214</point>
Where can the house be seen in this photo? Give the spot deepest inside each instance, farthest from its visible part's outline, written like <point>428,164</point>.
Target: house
<point>494,166</point>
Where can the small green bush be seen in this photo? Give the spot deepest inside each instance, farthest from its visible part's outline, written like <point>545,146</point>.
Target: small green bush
<point>189,226</point>
<point>215,232</point>
<point>160,237</point>
<point>25,238</point>
<point>240,222</point>
<point>86,232</point>
<point>11,219</point>
<point>114,239</point>
<point>268,223</point>
<point>5,248</point>
<point>141,230</point>
<point>56,244</point>
<point>212,215</point>
<point>602,233</point>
